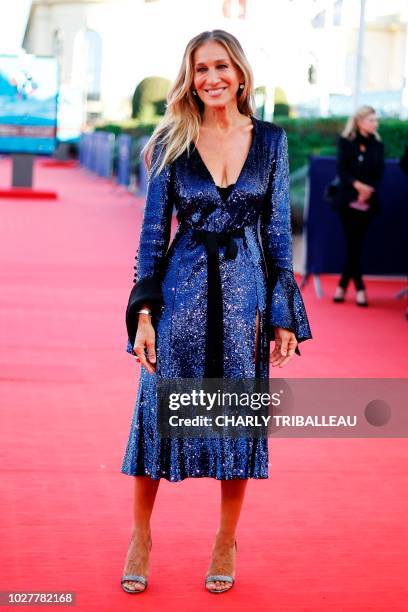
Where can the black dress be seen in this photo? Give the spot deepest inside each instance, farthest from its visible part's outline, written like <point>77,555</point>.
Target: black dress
<point>359,159</point>
<point>225,191</point>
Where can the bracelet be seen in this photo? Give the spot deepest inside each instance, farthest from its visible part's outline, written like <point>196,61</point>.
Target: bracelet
<point>144,311</point>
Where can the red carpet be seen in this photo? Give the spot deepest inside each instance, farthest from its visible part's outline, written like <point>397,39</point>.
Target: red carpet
<point>60,163</point>
<point>26,193</point>
<point>327,531</point>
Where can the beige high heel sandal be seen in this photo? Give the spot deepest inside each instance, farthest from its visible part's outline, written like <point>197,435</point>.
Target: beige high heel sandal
<point>135,578</point>
<point>221,578</point>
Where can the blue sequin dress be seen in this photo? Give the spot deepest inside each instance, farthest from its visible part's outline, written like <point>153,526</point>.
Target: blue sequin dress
<point>230,257</point>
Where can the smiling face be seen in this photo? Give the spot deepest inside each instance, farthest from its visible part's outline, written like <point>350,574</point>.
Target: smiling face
<point>368,124</point>
<point>216,78</point>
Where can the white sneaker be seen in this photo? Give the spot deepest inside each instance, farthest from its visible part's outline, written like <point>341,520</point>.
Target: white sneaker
<point>339,294</point>
<point>361,299</point>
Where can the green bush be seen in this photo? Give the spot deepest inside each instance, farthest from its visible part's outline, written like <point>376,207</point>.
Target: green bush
<point>282,110</point>
<point>148,94</point>
<point>160,107</point>
<point>394,134</point>
<point>280,98</point>
<point>133,127</point>
<point>281,106</point>
<point>306,136</point>
<point>318,136</point>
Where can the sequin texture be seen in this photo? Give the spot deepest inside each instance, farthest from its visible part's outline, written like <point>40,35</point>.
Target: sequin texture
<point>259,278</point>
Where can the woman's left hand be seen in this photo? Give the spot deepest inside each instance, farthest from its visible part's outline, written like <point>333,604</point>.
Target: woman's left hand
<point>285,346</point>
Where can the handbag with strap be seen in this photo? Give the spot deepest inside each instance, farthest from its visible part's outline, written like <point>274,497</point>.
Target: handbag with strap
<point>331,193</point>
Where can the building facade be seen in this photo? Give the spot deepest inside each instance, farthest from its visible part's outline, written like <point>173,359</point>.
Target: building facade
<point>306,48</point>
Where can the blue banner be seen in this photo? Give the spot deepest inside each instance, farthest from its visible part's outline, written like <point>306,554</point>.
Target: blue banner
<point>106,143</point>
<point>143,175</point>
<point>124,159</point>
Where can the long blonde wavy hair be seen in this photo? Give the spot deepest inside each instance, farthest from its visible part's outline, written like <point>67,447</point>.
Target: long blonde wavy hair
<point>351,127</point>
<point>180,125</point>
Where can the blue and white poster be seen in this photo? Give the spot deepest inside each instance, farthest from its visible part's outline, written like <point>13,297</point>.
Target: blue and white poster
<point>28,104</point>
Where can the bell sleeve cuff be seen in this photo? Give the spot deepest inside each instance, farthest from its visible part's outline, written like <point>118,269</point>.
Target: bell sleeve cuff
<point>285,303</point>
<point>145,291</point>
<point>287,309</point>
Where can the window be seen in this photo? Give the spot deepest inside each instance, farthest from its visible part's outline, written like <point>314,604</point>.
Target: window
<point>87,63</point>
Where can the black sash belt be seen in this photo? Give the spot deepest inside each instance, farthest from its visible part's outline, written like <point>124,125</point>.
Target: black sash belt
<point>214,340</point>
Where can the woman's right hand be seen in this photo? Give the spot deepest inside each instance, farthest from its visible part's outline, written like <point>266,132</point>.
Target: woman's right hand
<point>145,339</point>
<point>364,191</point>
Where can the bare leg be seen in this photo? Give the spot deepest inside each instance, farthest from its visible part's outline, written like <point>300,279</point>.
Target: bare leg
<point>137,560</point>
<point>223,553</point>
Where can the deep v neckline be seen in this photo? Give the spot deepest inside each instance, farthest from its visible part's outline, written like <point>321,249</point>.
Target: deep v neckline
<point>242,171</point>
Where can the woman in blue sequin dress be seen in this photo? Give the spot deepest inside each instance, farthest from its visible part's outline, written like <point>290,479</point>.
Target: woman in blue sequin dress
<point>216,297</point>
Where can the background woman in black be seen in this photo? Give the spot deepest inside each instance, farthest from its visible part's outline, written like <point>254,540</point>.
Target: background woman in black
<point>360,164</point>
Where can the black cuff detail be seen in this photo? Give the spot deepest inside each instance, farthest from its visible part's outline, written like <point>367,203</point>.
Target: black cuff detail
<point>287,309</point>
<point>145,291</point>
